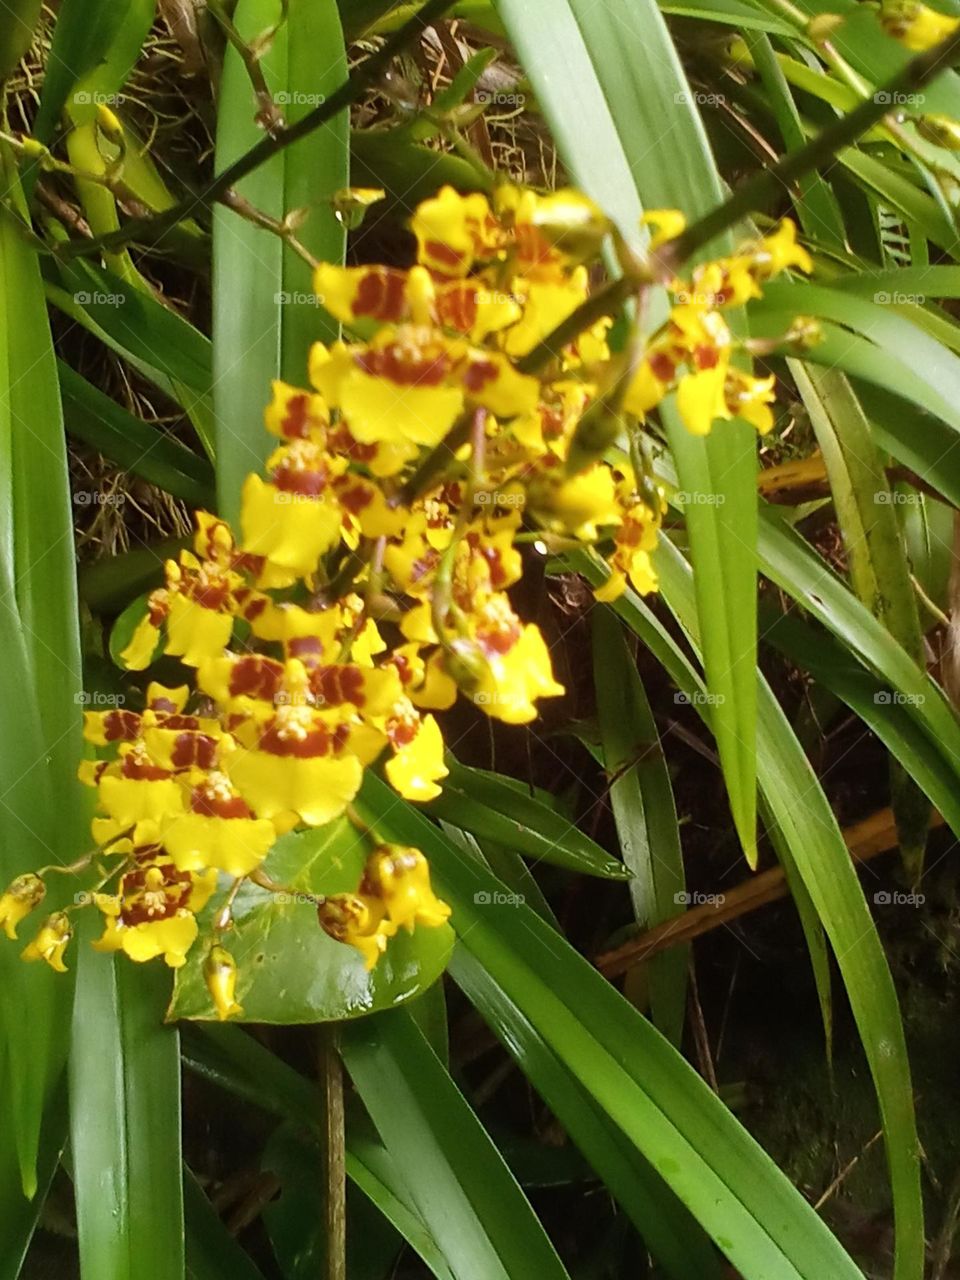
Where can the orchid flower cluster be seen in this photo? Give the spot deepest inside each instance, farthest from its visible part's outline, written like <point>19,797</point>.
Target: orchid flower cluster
<point>368,584</point>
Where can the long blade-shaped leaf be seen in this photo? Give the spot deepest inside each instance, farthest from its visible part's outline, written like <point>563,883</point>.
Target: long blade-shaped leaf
<point>125,1121</point>
<point>623,113</point>
<point>737,1193</point>
<point>265,314</point>
<point>456,1176</point>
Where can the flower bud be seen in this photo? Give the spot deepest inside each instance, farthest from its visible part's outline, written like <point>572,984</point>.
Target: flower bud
<point>220,975</point>
<point>19,899</point>
<point>51,942</point>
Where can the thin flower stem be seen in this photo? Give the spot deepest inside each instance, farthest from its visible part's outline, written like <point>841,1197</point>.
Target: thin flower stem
<point>333,1154</point>
<point>153,229</point>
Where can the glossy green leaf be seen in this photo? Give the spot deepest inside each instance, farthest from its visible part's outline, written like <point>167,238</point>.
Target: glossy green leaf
<point>237,1062</point>
<point>142,448</point>
<point>607,115</point>
<point>41,816</point>
<point>491,807</point>
<point>674,1238</point>
<point>736,1192</point>
<point>121,633</point>
<point>641,797</point>
<point>265,313</point>
<point>876,558</point>
<point>125,1119</point>
<point>457,1178</point>
<point>18,1214</point>
<point>95,44</point>
<point>289,969</point>
<point>795,567</point>
<point>806,821</point>
<point>212,1253</point>
<point>16,35</point>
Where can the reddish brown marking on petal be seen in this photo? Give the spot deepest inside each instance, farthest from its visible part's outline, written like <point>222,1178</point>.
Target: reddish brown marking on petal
<point>315,742</point>
<point>661,366</point>
<point>354,496</point>
<point>246,562</point>
<point>142,904</point>
<point>211,595</point>
<point>178,721</point>
<point>443,254</point>
<point>457,306</point>
<point>256,676</point>
<point>478,373</point>
<point>499,639</point>
<point>158,607</point>
<point>296,420</point>
<point>194,748</point>
<point>342,442</point>
<point>404,667</point>
<point>341,736</point>
<point>163,706</point>
<point>121,726</point>
<point>204,800</point>
<point>381,294</point>
<point>307,648</point>
<point>405,367</point>
<point>338,684</point>
<point>142,770</point>
<point>306,483</point>
<point>402,732</point>
<point>706,357</point>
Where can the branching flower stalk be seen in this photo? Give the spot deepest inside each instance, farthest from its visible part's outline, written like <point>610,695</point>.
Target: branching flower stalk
<point>368,584</point>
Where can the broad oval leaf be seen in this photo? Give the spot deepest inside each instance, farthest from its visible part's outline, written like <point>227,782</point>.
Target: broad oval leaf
<point>289,969</point>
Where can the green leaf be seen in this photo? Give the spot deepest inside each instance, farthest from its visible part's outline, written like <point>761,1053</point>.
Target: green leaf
<point>674,1238</point>
<point>40,740</point>
<point>607,116</point>
<point>497,809</point>
<point>762,1224</point>
<point>17,34</point>
<point>125,1120</point>
<point>235,1061</point>
<point>20,1215</point>
<point>795,567</point>
<point>806,822</point>
<point>95,44</point>
<point>121,633</point>
<point>289,970</point>
<point>141,448</point>
<point>212,1253</point>
<point>264,317</point>
<point>455,1175</point>
<point>642,800</point>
